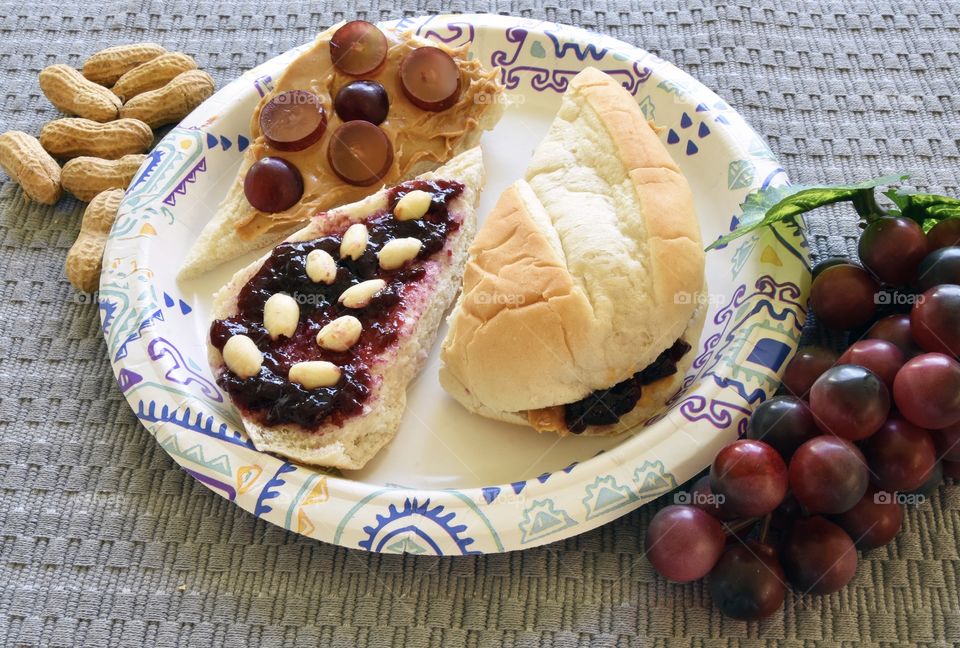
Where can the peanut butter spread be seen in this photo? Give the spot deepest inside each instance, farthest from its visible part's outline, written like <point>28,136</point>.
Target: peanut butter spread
<point>418,136</point>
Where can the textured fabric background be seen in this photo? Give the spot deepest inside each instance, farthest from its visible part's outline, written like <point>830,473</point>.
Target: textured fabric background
<point>104,541</point>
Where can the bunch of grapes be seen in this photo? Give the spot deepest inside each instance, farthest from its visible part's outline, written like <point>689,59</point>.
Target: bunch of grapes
<point>827,465</point>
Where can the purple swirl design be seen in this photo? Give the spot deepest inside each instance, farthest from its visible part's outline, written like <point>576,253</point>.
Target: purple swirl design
<point>701,360</point>
<point>787,292</point>
<point>726,313</point>
<point>180,372</point>
<point>558,80</point>
<point>513,35</point>
<point>718,413</point>
<point>457,30</point>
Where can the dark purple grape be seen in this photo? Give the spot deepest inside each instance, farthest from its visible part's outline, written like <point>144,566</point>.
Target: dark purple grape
<point>946,233</point>
<point>364,100</point>
<point>951,469</point>
<point>748,582</point>
<point>879,356</point>
<point>784,515</point>
<point>874,521</point>
<point>927,391</point>
<point>683,543</point>
<point>844,297</point>
<point>900,455</point>
<point>947,442</point>
<point>358,48</point>
<point>751,477</point>
<point>892,248</point>
<point>849,401</point>
<point>939,267</point>
<point>807,365</point>
<point>293,120</point>
<point>272,185</point>
<point>935,320</point>
<point>430,78</point>
<point>829,262</point>
<point>818,556</point>
<point>828,475</point>
<point>895,329</point>
<point>784,422</point>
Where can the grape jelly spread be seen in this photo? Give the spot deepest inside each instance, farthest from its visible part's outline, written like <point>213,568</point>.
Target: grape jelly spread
<point>269,396</point>
<point>605,407</point>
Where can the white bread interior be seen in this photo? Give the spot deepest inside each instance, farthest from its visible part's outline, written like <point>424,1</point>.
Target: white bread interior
<point>219,240</point>
<point>352,444</point>
<point>585,270</point>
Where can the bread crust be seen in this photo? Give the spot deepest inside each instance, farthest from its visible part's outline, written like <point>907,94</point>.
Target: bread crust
<point>584,272</point>
<point>359,438</point>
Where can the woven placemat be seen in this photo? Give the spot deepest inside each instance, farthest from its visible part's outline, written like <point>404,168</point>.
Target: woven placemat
<point>104,541</point>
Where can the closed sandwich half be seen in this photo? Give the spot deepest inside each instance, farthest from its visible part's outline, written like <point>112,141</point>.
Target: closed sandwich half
<point>582,296</point>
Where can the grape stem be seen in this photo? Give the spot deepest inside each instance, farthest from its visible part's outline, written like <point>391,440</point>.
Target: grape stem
<point>765,528</point>
<point>737,526</point>
<point>865,202</point>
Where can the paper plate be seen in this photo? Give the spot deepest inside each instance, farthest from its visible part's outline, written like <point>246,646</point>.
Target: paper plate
<point>453,483</point>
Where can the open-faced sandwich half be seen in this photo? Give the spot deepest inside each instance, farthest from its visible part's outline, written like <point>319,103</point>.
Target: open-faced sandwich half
<point>316,342</point>
<point>582,296</point>
<point>361,108</point>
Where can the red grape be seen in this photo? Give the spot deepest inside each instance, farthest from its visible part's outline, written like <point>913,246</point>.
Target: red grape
<point>430,78</point>
<point>364,100</point>
<point>358,48</point>
<point>892,248</point>
<point>927,391</point>
<point>784,422</point>
<point>818,556</point>
<point>748,582</point>
<point>874,521</point>
<point>900,455</point>
<point>895,329</point>
<point>828,475</point>
<point>272,185</point>
<point>293,120</point>
<point>879,356</point>
<point>683,543</point>
<point>844,297</point>
<point>829,262</point>
<point>939,267</point>
<point>703,498</point>
<point>359,152</point>
<point>850,402</point>
<point>935,320</point>
<point>946,233</point>
<point>750,476</point>
<point>806,366</point>
<point>947,442</point>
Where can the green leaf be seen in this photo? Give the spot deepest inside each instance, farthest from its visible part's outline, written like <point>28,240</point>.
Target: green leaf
<point>773,205</point>
<point>921,207</point>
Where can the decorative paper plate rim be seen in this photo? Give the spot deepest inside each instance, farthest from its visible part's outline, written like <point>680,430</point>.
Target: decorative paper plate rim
<point>463,516</point>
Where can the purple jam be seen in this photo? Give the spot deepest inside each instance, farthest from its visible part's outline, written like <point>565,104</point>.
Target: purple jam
<point>270,397</point>
<point>606,406</point>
